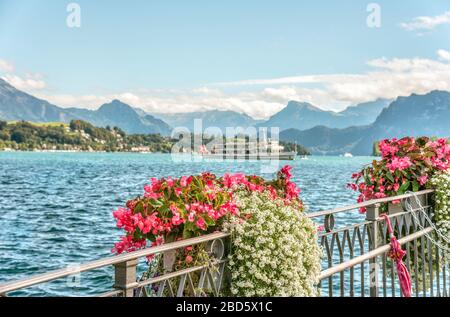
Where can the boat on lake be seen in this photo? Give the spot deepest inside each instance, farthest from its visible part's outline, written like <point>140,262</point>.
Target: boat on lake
<point>240,149</point>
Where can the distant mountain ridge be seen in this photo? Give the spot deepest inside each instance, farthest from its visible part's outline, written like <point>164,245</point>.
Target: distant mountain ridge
<point>328,133</point>
<point>303,116</point>
<point>213,118</point>
<point>415,115</point>
<point>299,115</point>
<point>17,105</point>
<point>322,140</point>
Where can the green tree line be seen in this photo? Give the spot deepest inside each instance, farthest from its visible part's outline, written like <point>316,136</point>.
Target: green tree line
<point>80,135</point>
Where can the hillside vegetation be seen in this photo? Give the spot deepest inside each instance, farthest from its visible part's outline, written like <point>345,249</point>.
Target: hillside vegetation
<point>76,136</point>
<point>80,136</point>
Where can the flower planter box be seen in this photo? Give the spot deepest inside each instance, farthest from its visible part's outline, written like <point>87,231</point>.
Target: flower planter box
<point>401,207</point>
<point>169,260</point>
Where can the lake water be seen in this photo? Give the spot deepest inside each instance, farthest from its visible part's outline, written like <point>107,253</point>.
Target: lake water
<point>56,208</point>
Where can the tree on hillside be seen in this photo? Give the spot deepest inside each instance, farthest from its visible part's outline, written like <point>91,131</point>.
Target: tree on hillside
<point>19,136</point>
<point>3,124</point>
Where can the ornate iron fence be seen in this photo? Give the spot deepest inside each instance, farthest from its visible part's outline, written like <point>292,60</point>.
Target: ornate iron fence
<point>355,261</point>
<point>355,256</point>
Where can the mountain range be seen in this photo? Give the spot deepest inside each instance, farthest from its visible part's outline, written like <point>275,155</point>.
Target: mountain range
<point>415,115</point>
<point>17,105</point>
<point>303,115</point>
<point>323,132</point>
<point>213,118</point>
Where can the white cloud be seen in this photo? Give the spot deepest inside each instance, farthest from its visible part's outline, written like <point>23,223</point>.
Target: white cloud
<point>6,66</point>
<point>260,98</point>
<point>427,23</point>
<point>389,79</point>
<point>254,104</point>
<point>444,55</point>
<point>78,101</point>
<point>207,91</point>
<point>28,82</point>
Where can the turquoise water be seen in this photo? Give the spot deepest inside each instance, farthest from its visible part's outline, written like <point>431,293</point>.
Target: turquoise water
<point>55,208</point>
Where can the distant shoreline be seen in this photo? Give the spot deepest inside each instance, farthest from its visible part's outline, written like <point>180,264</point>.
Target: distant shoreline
<point>75,151</point>
<point>299,157</point>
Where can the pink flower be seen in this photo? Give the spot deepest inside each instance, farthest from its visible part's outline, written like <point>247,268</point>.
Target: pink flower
<point>291,190</point>
<point>159,240</point>
<point>399,163</point>
<point>183,181</point>
<point>125,219</point>
<point>230,180</point>
<point>379,195</point>
<point>387,149</point>
<point>286,171</point>
<point>170,182</point>
<point>200,223</point>
<point>228,207</point>
<point>127,244</point>
<point>423,180</point>
<point>177,220</point>
<point>273,192</point>
<point>149,193</point>
<point>163,211</point>
<point>211,196</point>
<point>189,259</point>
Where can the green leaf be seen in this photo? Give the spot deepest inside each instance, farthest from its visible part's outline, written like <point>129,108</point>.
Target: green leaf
<point>139,207</point>
<point>367,179</point>
<point>189,226</point>
<point>156,203</point>
<point>390,176</point>
<point>404,188</point>
<point>415,186</point>
<point>186,233</point>
<point>209,221</point>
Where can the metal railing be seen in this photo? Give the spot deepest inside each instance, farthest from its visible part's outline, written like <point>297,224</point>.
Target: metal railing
<point>126,282</point>
<point>355,261</point>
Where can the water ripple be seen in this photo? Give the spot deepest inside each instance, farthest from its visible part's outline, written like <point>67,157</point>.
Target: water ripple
<point>55,208</point>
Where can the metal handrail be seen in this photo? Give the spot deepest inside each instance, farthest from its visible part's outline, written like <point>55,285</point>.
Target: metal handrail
<point>60,273</point>
<point>52,275</point>
<point>367,203</point>
<point>370,255</point>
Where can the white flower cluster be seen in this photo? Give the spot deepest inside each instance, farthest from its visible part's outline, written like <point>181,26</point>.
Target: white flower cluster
<point>275,251</point>
<point>441,183</point>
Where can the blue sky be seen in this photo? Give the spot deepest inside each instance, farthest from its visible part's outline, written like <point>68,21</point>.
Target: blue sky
<point>200,55</point>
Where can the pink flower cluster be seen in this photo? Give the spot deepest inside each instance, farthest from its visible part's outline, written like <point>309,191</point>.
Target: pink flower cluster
<point>292,191</point>
<point>173,209</point>
<point>406,164</point>
<point>398,163</point>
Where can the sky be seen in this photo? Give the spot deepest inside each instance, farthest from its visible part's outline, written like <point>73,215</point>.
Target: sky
<point>247,56</point>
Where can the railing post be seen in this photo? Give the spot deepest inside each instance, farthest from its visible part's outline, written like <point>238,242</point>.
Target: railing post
<point>125,277</point>
<point>372,214</point>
